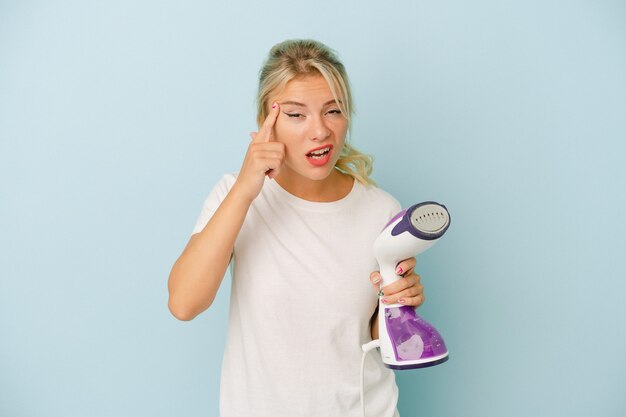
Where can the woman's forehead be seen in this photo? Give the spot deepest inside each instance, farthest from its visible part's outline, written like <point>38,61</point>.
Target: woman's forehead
<point>303,89</point>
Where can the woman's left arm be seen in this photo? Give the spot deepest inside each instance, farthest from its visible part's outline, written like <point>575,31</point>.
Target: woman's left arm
<point>408,290</point>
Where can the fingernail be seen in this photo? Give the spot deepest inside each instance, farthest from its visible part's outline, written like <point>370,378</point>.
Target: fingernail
<point>401,300</point>
<point>399,270</point>
<point>274,105</point>
<point>376,280</point>
<point>385,300</point>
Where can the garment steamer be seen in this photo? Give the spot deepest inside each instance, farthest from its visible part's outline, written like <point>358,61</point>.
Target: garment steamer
<point>406,340</point>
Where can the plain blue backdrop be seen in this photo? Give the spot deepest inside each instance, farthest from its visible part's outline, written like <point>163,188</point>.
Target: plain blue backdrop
<point>117,117</point>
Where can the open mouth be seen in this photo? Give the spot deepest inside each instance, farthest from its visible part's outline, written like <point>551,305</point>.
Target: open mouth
<point>319,153</point>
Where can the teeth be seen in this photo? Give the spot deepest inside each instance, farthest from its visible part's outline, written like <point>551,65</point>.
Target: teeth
<point>320,151</point>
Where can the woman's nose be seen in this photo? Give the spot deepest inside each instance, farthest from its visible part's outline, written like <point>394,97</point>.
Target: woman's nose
<point>319,130</point>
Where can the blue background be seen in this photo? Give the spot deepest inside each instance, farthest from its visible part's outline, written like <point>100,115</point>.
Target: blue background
<point>117,117</point>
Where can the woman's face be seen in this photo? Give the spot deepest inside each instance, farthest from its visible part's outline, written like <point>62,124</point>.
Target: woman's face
<point>311,126</point>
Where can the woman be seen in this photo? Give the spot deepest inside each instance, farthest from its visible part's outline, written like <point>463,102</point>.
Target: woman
<point>298,222</point>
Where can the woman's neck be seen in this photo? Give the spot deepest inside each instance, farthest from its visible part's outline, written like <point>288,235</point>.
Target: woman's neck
<point>332,188</point>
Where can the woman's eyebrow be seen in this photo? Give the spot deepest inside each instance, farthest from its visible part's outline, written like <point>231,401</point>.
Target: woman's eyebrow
<point>295,103</point>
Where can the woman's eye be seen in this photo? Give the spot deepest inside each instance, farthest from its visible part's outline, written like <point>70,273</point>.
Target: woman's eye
<point>335,111</point>
<point>296,115</point>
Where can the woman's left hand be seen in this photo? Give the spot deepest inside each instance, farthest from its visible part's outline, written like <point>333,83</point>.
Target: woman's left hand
<point>408,290</point>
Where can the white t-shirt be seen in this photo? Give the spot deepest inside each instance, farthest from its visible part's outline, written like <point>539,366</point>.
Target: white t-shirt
<point>300,306</point>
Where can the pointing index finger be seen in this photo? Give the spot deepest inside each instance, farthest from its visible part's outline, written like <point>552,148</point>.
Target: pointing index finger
<point>266,133</point>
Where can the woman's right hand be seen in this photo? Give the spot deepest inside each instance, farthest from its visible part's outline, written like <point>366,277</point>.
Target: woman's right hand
<point>264,157</point>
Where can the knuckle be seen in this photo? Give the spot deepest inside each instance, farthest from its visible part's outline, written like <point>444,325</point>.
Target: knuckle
<point>407,281</point>
<point>276,146</point>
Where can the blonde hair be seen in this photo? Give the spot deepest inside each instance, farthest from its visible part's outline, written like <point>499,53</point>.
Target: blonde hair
<point>296,57</point>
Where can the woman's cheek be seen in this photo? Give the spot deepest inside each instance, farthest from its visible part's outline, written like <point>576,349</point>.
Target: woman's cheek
<point>286,131</point>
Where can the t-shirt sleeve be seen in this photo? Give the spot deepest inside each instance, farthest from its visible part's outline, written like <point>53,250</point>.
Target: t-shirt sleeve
<point>396,207</point>
<point>392,204</point>
<point>213,201</point>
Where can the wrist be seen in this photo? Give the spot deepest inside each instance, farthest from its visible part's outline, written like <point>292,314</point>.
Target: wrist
<point>239,194</point>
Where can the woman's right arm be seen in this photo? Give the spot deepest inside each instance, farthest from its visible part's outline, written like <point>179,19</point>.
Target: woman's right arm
<point>198,272</point>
